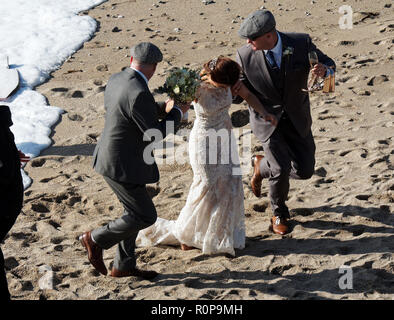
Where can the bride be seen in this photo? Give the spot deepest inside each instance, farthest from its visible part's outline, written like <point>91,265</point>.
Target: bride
<point>213,217</point>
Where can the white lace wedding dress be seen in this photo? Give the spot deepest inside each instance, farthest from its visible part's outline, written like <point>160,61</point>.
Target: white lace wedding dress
<point>213,217</point>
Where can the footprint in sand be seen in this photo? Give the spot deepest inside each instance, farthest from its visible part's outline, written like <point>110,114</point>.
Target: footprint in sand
<point>364,62</point>
<point>363,197</point>
<point>328,117</point>
<point>99,89</point>
<point>363,16</point>
<point>321,172</point>
<point>209,295</point>
<point>379,160</point>
<point>357,231</point>
<point>376,80</point>
<point>386,142</point>
<point>344,153</point>
<point>77,94</point>
<point>37,162</point>
<point>360,92</point>
<point>60,89</point>
<point>176,195</point>
<point>54,224</point>
<point>39,207</point>
<point>364,153</point>
<point>333,233</point>
<point>321,181</point>
<point>73,200</point>
<point>102,68</point>
<point>75,274</point>
<point>346,43</point>
<point>260,207</point>
<point>57,240</point>
<point>304,212</point>
<point>74,117</point>
<point>10,263</point>
<point>344,79</point>
<point>58,248</point>
<point>280,270</point>
<point>95,44</point>
<point>27,286</point>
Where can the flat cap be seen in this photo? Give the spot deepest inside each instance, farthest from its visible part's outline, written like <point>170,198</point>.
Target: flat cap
<point>146,52</point>
<point>256,24</point>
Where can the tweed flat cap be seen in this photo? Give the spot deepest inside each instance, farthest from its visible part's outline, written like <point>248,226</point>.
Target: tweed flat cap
<point>256,24</point>
<point>146,52</point>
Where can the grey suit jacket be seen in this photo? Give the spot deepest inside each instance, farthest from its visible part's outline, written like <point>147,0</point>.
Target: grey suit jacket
<point>130,112</point>
<point>294,101</point>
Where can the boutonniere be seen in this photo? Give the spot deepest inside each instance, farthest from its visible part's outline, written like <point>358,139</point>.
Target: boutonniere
<point>288,51</point>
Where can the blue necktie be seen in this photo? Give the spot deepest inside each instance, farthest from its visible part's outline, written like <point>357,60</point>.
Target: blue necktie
<point>272,60</point>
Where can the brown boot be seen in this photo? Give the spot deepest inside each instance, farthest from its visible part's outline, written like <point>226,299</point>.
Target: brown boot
<point>147,275</point>
<point>256,178</point>
<point>185,247</point>
<point>279,225</point>
<point>95,253</point>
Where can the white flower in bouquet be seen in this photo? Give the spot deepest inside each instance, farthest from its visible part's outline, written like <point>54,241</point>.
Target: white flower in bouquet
<point>181,85</point>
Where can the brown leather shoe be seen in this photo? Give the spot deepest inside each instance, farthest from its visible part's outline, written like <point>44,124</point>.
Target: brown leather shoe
<point>95,253</point>
<point>185,247</point>
<point>279,225</point>
<point>147,275</point>
<point>256,178</point>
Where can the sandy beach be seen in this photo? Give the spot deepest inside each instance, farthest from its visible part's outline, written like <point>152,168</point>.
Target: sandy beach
<point>342,216</point>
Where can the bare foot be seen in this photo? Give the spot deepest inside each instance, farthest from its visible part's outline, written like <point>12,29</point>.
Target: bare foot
<point>185,247</point>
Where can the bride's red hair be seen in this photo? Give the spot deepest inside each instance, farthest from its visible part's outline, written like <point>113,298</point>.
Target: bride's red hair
<point>222,70</point>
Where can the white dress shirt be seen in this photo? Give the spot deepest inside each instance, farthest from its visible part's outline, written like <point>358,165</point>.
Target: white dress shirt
<point>277,51</point>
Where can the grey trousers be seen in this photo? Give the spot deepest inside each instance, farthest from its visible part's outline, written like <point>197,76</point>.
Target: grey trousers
<point>287,155</point>
<point>139,213</point>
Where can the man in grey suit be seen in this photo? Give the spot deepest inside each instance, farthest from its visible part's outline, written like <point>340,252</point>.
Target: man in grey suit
<point>275,68</point>
<point>131,125</point>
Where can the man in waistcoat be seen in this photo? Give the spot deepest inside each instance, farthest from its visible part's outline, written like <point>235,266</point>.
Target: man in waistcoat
<point>275,68</point>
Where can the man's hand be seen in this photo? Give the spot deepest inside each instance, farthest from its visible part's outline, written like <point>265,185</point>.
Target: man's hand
<point>319,70</point>
<point>169,105</point>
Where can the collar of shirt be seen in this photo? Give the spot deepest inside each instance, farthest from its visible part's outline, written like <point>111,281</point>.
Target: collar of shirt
<point>277,51</point>
<point>141,74</point>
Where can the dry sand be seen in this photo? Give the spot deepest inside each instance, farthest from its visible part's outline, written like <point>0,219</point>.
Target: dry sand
<point>343,215</point>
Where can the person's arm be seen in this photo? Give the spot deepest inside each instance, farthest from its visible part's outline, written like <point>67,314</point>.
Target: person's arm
<point>320,69</point>
<point>144,114</point>
<point>255,103</point>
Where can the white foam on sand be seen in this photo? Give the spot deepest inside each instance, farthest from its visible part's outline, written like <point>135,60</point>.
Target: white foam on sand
<point>38,36</point>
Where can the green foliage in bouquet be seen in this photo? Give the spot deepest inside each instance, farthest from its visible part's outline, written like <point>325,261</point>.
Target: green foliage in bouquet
<point>181,84</point>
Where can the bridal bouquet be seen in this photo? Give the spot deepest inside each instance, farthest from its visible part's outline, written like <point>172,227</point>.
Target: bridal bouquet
<point>181,85</point>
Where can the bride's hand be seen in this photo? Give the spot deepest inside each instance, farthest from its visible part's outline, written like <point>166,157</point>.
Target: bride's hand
<point>205,78</point>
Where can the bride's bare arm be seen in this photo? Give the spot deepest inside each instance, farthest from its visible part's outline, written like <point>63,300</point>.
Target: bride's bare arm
<point>255,103</point>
